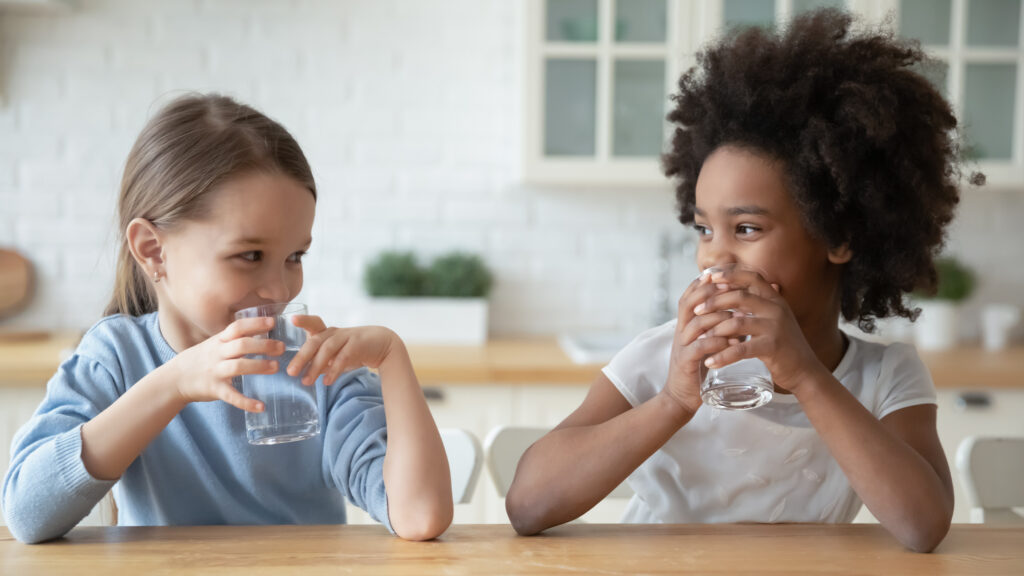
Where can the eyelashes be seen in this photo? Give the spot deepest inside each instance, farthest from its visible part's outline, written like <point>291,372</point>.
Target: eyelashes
<point>257,256</point>
<point>741,230</point>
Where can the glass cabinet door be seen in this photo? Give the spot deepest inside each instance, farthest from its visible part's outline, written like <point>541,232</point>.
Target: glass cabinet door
<point>988,111</point>
<point>977,53</point>
<point>641,21</point>
<point>639,102</point>
<point>570,103</point>
<point>603,71</point>
<point>571,21</point>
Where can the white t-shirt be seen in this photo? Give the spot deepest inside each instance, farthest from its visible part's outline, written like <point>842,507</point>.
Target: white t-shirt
<point>761,465</point>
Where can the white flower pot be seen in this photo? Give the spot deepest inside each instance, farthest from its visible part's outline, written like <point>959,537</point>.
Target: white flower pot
<point>937,327</point>
<point>429,320</point>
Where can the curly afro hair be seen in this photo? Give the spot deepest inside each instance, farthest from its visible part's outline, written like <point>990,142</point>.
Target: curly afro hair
<point>869,148</point>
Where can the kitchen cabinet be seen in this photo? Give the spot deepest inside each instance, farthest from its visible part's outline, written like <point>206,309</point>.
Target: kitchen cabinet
<point>979,66</point>
<point>598,74</point>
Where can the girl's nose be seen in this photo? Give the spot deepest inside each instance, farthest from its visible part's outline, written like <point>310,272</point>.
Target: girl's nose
<point>714,253</point>
<point>275,289</point>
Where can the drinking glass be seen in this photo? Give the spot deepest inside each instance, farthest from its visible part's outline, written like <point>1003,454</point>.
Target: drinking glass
<point>290,411</point>
<point>742,385</point>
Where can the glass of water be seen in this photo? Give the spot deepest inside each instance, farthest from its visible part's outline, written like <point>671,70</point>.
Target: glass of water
<point>742,385</point>
<point>290,412</point>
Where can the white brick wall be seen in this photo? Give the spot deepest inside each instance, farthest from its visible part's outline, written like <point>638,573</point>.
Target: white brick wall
<point>410,113</point>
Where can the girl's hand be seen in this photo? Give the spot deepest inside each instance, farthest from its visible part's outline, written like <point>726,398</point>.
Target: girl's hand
<point>764,315</point>
<point>333,351</point>
<point>692,343</point>
<point>206,370</point>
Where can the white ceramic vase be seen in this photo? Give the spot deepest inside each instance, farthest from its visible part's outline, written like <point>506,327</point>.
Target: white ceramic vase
<point>422,320</point>
<point>938,325</point>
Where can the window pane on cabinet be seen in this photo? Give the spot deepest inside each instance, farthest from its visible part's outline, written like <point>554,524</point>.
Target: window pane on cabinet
<point>570,103</point>
<point>926,20</point>
<point>800,6</point>
<point>937,72</point>
<point>993,22</point>
<point>639,114</point>
<point>640,20</point>
<point>988,109</point>
<point>749,13</point>
<point>572,20</point>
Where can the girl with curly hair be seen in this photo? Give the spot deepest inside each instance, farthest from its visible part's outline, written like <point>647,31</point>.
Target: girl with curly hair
<point>818,155</point>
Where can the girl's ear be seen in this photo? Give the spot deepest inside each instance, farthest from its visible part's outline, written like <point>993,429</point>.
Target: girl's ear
<point>146,246</point>
<point>840,254</point>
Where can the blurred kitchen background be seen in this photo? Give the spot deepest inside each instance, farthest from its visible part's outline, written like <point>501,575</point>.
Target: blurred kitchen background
<point>525,131</point>
<point>415,117</point>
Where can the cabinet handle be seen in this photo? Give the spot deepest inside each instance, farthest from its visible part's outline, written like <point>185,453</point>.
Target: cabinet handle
<point>433,393</point>
<point>973,401</point>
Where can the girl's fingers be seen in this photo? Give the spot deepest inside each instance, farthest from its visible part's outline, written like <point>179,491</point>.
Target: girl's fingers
<point>334,372</point>
<point>247,327</point>
<point>740,325</point>
<point>330,350</point>
<point>309,323</point>
<point>738,299</point>
<point>241,366</point>
<point>700,325</point>
<point>748,349</point>
<point>229,394</point>
<point>707,346</point>
<point>248,345</point>
<point>745,279</point>
<point>690,304</point>
<point>304,355</point>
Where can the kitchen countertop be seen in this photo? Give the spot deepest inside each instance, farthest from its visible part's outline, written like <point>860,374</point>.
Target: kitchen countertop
<point>31,362</point>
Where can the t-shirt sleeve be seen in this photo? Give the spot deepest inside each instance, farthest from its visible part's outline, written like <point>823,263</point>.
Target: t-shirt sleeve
<point>47,489</point>
<point>639,370</point>
<point>904,381</point>
<point>355,442</point>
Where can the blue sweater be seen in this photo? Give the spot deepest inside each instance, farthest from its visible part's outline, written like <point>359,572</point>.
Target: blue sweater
<point>200,469</point>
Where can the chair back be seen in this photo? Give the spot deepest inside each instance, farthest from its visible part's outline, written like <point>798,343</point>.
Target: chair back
<point>992,472</point>
<point>505,445</point>
<point>465,458</point>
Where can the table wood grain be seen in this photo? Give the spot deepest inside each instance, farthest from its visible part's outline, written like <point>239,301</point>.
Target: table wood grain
<point>496,549</point>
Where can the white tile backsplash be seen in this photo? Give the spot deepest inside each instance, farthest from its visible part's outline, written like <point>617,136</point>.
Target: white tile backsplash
<point>410,114</point>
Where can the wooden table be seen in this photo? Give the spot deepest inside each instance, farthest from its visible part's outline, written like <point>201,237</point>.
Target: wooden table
<point>495,549</point>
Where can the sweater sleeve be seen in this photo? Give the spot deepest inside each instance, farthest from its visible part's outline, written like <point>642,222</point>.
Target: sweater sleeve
<point>47,489</point>
<point>355,442</point>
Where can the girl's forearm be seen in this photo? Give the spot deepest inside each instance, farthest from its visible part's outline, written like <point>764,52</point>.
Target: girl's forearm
<point>568,471</point>
<point>115,437</point>
<point>897,484</point>
<point>416,474</point>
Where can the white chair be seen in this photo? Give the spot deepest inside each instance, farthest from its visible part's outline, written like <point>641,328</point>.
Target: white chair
<point>505,445</point>
<point>465,458</point>
<point>992,472</point>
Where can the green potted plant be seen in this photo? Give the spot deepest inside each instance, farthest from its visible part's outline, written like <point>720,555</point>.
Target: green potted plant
<point>394,274</point>
<point>442,303</point>
<point>936,328</point>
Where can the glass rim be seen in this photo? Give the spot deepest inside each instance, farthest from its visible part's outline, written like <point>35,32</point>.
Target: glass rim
<point>272,309</point>
<point>732,265</point>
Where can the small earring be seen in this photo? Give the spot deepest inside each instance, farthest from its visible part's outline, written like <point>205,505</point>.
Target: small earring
<point>156,277</point>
